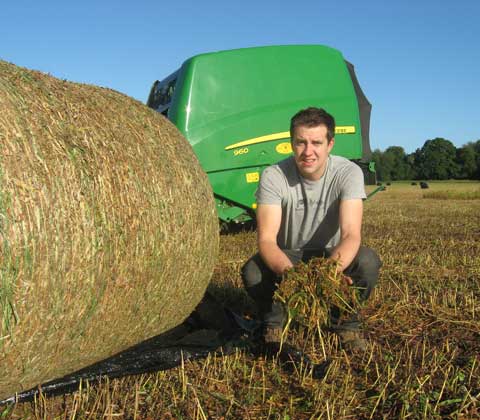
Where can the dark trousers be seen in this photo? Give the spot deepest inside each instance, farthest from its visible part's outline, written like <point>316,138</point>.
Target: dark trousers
<point>260,283</point>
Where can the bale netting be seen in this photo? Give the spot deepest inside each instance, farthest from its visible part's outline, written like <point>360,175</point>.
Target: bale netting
<point>108,229</point>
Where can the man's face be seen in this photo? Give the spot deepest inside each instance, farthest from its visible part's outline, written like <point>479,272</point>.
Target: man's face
<point>311,149</point>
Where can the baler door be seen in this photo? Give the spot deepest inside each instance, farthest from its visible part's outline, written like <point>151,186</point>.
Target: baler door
<point>365,108</point>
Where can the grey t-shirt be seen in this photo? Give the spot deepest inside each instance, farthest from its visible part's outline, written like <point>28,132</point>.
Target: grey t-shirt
<point>310,209</point>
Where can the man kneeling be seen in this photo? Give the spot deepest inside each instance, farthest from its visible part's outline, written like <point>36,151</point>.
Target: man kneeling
<point>309,205</point>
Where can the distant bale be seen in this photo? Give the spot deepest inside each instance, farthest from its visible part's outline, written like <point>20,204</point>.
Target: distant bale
<point>413,183</point>
<point>389,183</point>
<point>423,185</point>
<point>379,184</point>
<point>108,226</point>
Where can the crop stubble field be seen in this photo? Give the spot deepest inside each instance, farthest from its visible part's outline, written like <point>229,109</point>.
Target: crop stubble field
<point>422,323</point>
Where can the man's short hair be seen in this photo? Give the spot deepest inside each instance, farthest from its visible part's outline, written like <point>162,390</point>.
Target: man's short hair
<point>313,117</point>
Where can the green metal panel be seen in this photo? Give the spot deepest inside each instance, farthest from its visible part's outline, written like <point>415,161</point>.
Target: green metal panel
<point>235,107</point>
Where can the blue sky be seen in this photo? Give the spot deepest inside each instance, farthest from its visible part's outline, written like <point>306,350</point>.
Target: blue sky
<point>418,62</point>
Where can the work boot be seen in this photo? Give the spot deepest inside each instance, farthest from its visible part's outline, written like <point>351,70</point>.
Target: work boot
<point>286,353</point>
<point>272,335</point>
<point>352,340</point>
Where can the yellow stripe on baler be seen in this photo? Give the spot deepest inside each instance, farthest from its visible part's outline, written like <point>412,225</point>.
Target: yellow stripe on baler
<point>349,129</point>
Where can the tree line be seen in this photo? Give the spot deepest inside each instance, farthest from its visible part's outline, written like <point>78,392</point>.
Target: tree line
<point>436,159</point>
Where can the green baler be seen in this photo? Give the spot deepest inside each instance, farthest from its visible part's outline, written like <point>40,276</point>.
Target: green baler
<point>234,107</point>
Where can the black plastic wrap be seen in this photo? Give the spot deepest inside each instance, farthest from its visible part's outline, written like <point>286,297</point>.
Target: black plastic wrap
<point>210,328</point>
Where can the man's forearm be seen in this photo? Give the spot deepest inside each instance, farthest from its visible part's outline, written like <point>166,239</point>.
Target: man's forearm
<point>346,251</point>
<point>274,257</point>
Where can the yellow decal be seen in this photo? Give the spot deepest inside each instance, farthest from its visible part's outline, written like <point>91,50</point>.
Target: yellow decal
<point>347,129</point>
<point>252,177</point>
<point>254,206</point>
<point>284,148</point>
<point>262,139</point>
<point>242,151</point>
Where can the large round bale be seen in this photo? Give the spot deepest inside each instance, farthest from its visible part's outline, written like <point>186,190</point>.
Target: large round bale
<point>108,230</point>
